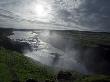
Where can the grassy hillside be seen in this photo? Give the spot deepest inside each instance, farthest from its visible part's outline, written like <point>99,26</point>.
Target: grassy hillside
<point>86,38</point>
<point>14,66</point>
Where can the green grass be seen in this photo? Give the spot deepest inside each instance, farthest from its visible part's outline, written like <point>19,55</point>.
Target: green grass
<point>5,73</point>
<point>15,66</point>
<point>95,78</point>
<point>86,38</point>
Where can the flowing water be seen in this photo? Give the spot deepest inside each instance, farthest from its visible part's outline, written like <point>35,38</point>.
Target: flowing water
<point>46,53</point>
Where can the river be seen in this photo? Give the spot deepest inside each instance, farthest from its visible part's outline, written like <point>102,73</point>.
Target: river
<point>45,53</point>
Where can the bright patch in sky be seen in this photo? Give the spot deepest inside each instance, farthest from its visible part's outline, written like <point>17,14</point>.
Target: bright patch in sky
<point>40,10</point>
<point>56,14</point>
<point>43,11</point>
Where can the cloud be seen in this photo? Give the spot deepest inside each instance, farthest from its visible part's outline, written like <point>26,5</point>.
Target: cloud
<point>91,15</point>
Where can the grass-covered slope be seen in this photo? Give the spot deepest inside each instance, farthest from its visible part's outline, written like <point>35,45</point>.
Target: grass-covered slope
<point>86,38</point>
<point>14,66</point>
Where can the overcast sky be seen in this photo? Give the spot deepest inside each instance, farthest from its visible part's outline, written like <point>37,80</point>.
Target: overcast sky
<point>93,15</point>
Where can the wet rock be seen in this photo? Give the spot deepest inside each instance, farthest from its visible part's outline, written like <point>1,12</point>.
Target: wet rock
<point>64,76</point>
<point>15,81</point>
<point>49,81</point>
<point>31,80</point>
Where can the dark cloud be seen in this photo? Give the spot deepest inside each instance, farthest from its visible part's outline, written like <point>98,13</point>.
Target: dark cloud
<point>94,14</point>
<point>97,14</point>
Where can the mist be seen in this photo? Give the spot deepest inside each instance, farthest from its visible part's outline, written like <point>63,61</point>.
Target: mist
<point>67,55</point>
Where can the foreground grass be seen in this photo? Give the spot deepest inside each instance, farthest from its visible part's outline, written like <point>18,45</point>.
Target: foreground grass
<point>94,78</point>
<point>14,66</point>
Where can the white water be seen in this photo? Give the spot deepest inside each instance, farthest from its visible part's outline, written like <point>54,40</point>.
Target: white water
<point>47,54</point>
